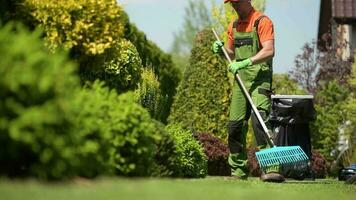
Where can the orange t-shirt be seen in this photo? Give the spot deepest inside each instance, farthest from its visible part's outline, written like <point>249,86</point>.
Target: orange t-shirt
<point>265,28</point>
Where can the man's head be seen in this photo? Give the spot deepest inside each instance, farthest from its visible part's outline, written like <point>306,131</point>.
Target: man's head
<point>242,7</point>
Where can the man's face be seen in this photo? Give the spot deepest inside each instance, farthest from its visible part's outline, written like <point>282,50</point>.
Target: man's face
<point>240,6</point>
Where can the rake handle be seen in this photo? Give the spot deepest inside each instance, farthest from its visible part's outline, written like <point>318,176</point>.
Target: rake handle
<point>247,95</point>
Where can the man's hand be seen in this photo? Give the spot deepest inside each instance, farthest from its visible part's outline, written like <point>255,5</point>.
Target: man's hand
<point>216,47</point>
<point>234,67</point>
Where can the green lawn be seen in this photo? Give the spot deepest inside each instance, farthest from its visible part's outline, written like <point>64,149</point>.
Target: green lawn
<point>170,189</point>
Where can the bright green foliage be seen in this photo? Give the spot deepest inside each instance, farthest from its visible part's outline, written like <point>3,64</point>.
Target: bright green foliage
<point>350,108</point>
<point>282,84</point>
<point>89,25</point>
<point>148,93</point>
<point>120,135</point>
<point>166,156</point>
<point>191,160</point>
<point>161,63</point>
<point>122,67</point>
<point>330,117</point>
<point>202,99</point>
<point>35,94</point>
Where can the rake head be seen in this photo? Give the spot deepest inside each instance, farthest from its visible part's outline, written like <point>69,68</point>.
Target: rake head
<point>286,158</point>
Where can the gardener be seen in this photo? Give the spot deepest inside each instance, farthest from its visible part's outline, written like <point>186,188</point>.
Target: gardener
<point>251,45</point>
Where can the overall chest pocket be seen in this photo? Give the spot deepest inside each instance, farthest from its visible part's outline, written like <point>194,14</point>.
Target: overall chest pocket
<point>243,48</point>
<point>239,42</point>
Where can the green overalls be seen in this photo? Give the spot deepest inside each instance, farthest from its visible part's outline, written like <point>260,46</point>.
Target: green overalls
<point>257,80</point>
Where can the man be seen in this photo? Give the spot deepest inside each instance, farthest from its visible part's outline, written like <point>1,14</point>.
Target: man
<point>251,45</point>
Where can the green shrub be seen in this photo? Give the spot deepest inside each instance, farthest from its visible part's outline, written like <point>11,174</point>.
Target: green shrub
<point>122,67</point>
<point>349,157</point>
<point>36,91</point>
<point>166,155</point>
<point>331,115</point>
<point>90,26</point>
<point>203,96</point>
<point>148,93</point>
<point>120,135</point>
<point>191,160</point>
<point>286,86</point>
<point>152,56</point>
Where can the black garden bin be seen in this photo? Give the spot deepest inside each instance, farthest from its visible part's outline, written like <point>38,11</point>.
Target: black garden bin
<point>290,118</point>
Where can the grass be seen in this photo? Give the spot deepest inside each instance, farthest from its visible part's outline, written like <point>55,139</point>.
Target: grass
<point>170,189</point>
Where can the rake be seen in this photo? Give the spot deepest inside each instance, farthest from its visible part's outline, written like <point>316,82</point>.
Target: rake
<point>286,158</point>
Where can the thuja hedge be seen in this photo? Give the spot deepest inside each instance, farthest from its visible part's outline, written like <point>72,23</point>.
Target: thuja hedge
<point>202,100</point>
<point>160,62</point>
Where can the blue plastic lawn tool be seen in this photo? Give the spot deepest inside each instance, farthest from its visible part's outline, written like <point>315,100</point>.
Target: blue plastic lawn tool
<point>286,158</point>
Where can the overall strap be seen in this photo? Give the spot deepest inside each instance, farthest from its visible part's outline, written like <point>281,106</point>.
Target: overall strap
<point>257,22</point>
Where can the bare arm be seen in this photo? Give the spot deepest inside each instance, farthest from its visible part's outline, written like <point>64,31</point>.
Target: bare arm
<point>266,53</point>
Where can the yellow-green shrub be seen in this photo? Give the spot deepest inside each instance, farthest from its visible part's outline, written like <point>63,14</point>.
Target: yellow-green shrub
<point>122,67</point>
<point>190,159</point>
<point>148,93</point>
<point>90,25</point>
<point>203,96</point>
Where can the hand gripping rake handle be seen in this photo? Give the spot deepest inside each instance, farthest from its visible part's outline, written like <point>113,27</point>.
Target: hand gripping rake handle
<point>247,95</point>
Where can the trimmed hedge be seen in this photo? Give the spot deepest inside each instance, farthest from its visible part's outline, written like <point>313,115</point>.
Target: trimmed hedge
<point>217,153</point>
<point>191,160</point>
<point>203,96</point>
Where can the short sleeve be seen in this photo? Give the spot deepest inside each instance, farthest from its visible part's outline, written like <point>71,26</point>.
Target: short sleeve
<point>265,30</point>
<point>230,36</point>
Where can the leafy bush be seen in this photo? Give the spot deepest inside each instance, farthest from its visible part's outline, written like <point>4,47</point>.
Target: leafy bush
<point>90,26</point>
<point>166,156</point>
<point>331,116</point>
<point>217,153</point>
<point>161,63</point>
<point>36,91</point>
<point>191,160</point>
<point>349,157</point>
<point>148,93</point>
<point>318,164</point>
<point>119,134</point>
<point>202,99</point>
<point>122,67</point>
